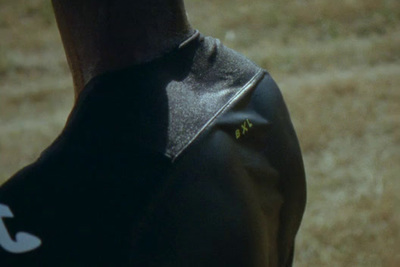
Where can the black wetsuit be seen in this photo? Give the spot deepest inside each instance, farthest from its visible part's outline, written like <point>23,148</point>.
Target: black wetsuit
<point>188,160</point>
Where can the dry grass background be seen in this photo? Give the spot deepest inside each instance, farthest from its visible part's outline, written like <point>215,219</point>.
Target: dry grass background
<point>337,63</point>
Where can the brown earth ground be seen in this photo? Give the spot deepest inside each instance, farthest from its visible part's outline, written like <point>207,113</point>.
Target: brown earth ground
<point>337,63</point>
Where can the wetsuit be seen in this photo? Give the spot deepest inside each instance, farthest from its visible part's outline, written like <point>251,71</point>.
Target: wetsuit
<point>188,160</point>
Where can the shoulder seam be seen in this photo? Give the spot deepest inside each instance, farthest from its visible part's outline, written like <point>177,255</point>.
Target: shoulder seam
<point>249,85</point>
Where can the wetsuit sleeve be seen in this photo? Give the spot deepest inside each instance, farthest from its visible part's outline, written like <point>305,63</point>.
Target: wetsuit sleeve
<point>234,200</point>
<point>283,152</point>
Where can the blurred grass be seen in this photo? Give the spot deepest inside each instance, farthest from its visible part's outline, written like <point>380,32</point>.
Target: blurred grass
<point>337,64</point>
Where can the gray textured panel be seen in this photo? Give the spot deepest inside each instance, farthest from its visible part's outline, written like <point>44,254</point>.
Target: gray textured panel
<point>217,76</point>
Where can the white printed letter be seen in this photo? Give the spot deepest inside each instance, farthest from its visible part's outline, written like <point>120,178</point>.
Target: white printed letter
<point>23,243</point>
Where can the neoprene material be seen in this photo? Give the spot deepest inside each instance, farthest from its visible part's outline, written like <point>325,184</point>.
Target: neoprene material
<point>188,160</point>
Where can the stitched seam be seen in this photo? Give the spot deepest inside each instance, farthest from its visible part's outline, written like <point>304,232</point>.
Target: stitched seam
<point>249,85</point>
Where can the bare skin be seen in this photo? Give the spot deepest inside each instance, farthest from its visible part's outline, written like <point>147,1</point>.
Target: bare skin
<point>105,35</point>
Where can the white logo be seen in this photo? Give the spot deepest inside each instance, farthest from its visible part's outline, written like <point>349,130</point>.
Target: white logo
<point>24,242</point>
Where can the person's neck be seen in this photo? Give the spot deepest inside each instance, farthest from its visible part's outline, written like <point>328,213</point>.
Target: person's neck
<point>100,38</point>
